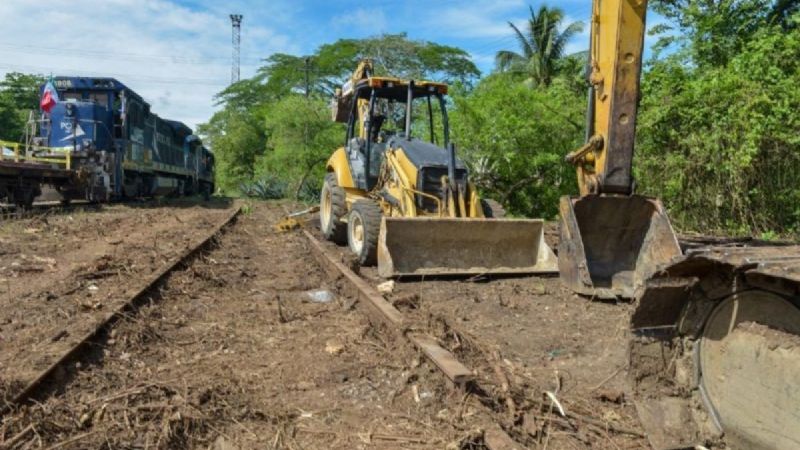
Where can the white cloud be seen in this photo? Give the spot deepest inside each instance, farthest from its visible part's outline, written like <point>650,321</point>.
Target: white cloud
<point>361,21</point>
<point>482,19</point>
<point>176,57</point>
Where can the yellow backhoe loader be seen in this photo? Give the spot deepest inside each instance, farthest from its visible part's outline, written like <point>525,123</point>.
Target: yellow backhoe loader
<point>715,351</point>
<point>398,196</point>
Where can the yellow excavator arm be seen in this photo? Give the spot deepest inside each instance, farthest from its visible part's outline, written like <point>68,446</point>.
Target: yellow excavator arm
<point>617,41</point>
<point>611,239</point>
<point>713,354</point>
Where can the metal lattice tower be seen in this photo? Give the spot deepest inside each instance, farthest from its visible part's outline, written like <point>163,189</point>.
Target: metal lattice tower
<point>236,21</point>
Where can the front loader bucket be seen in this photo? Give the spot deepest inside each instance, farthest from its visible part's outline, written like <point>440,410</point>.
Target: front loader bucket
<point>432,246</point>
<point>610,244</point>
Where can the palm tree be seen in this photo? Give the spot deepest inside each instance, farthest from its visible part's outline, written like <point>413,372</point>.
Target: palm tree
<point>542,45</point>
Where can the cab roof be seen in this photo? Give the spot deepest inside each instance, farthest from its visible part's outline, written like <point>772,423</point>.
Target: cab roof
<point>397,89</point>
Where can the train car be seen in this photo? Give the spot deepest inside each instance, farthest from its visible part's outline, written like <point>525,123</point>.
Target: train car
<point>116,148</point>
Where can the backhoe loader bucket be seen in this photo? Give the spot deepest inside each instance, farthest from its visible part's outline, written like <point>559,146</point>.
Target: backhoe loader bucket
<point>429,246</point>
<point>610,244</point>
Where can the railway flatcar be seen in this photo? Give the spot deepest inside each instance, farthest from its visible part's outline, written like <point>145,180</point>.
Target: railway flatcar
<point>113,147</point>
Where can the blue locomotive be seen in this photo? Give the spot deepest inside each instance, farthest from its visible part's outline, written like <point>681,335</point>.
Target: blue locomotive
<point>114,147</point>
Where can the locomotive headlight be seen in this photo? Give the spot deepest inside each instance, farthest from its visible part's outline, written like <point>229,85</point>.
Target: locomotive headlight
<point>70,110</point>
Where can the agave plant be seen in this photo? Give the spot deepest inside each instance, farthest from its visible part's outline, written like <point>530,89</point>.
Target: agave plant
<point>308,193</point>
<point>268,188</point>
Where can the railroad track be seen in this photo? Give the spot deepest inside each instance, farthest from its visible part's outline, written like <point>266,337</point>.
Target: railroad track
<point>45,209</point>
<point>387,316</point>
<point>496,393</point>
<point>50,379</point>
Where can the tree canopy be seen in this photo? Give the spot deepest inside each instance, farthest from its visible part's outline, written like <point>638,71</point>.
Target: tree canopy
<point>542,45</point>
<point>19,94</point>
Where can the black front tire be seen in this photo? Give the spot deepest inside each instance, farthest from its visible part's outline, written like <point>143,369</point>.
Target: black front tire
<point>363,228</point>
<point>332,208</point>
<point>492,209</point>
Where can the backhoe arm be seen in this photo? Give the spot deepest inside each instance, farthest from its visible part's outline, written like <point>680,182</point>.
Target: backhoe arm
<point>611,239</point>
<point>617,42</point>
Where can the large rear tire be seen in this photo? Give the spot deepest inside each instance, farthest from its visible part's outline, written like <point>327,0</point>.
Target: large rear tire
<point>331,210</point>
<point>363,228</point>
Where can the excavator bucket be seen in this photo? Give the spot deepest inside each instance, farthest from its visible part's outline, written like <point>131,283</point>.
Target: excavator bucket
<point>430,246</point>
<point>610,244</point>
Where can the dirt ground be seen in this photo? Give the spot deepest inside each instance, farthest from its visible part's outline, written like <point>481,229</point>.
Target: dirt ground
<point>231,352</point>
<point>61,274</point>
<point>542,338</point>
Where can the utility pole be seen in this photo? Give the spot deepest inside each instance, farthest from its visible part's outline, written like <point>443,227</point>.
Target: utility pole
<point>236,21</point>
<point>308,64</point>
<point>307,70</point>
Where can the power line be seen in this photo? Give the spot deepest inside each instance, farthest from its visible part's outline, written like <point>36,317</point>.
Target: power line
<point>125,77</point>
<point>177,59</point>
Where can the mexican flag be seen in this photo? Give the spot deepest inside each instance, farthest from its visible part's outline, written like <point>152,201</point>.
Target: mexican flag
<point>49,97</point>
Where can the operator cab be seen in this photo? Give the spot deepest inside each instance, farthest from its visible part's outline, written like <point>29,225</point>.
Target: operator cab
<point>380,117</point>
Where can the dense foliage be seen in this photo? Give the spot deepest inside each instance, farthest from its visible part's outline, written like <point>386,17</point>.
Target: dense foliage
<point>719,135</point>
<point>19,94</point>
<point>515,138</point>
<point>301,138</point>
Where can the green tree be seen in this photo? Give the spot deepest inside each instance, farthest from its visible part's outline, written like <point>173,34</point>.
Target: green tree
<point>236,132</point>
<point>514,139</point>
<point>392,54</point>
<point>237,139</point>
<point>19,94</point>
<point>721,143</point>
<point>710,32</point>
<point>302,137</point>
<point>542,45</point>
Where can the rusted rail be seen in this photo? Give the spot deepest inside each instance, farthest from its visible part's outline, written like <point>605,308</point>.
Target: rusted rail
<point>386,314</point>
<point>48,378</point>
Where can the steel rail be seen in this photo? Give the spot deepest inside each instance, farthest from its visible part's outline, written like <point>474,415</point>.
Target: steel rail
<point>48,378</point>
<point>379,310</point>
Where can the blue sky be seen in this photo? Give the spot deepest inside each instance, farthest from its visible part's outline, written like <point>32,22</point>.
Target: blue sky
<point>176,53</point>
